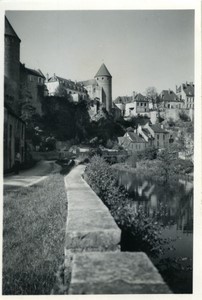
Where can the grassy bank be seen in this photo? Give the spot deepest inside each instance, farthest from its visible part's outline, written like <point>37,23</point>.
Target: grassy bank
<point>33,237</point>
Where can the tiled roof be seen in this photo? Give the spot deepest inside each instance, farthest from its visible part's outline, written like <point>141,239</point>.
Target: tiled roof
<point>146,131</point>
<point>123,99</point>
<point>37,73</point>
<point>157,129</point>
<point>168,95</point>
<point>88,82</point>
<point>67,82</point>
<point>188,89</point>
<point>135,138</point>
<point>140,97</point>
<point>103,71</point>
<point>9,29</point>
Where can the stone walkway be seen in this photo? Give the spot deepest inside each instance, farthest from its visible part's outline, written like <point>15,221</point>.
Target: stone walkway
<point>29,177</point>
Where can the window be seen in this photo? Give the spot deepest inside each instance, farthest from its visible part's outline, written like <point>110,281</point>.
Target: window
<point>141,104</point>
<point>145,104</point>
<point>30,78</point>
<point>102,78</point>
<point>163,136</point>
<point>138,104</point>
<point>22,131</point>
<point>157,143</point>
<point>10,133</point>
<point>157,136</point>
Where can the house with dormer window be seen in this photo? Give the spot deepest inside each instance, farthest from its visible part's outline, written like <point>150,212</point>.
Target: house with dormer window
<point>186,94</point>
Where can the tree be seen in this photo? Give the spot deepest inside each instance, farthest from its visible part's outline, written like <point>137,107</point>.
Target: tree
<point>151,93</point>
<point>61,91</point>
<point>166,157</point>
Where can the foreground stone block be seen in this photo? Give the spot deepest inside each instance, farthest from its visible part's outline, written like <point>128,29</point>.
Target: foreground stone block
<point>115,273</point>
<point>91,230</point>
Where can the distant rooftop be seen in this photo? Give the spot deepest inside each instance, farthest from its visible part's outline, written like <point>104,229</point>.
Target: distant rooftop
<point>103,71</point>
<point>9,30</point>
<point>169,95</point>
<point>157,128</point>
<point>140,97</point>
<point>135,138</point>
<point>88,82</point>
<point>188,88</point>
<point>123,99</point>
<point>67,82</point>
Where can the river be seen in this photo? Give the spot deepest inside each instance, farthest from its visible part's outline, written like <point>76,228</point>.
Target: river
<point>175,263</point>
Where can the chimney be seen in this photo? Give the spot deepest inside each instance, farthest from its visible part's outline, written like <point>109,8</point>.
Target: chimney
<point>134,94</point>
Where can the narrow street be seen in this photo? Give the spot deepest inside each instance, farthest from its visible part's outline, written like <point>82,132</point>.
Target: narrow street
<point>30,177</point>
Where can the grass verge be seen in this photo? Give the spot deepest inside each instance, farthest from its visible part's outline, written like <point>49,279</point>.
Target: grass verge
<point>33,237</point>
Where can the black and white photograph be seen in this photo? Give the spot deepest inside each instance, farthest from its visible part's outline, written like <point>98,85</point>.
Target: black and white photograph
<point>101,149</point>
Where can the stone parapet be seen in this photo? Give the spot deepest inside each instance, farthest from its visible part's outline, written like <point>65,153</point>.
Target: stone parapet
<point>93,261</point>
<point>115,273</point>
<point>90,226</point>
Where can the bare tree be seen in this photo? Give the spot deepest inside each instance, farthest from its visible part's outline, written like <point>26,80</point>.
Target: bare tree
<point>151,93</point>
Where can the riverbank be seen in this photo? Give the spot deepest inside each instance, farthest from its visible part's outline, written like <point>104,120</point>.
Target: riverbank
<point>155,217</point>
<point>152,168</point>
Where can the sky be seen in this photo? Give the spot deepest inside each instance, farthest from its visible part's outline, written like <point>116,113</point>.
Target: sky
<point>140,48</point>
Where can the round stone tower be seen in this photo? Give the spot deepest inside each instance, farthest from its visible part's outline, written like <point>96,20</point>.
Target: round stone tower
<point>12,53</point>
<point>104,80</point>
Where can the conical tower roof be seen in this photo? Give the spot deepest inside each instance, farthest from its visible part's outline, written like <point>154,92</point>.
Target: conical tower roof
<point>9,29</point>
<point>103,71</point>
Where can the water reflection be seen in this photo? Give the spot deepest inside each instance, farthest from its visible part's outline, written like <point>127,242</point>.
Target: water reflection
<point>175,204</point>
<point>176,199</point>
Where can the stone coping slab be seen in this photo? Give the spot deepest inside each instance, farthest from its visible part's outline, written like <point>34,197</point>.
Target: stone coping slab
<point>90,226</point>
<point>115,273</point>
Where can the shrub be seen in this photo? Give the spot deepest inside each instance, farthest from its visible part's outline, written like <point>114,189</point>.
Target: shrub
<point>149,153</point>
<point>132,160</point>
<point>145,232</point>
<point>183,166</point>
<point>183,116</point>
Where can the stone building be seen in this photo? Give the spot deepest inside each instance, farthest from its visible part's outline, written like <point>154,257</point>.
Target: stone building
<point>132,142</point>
<point>11,64</point>
<point>100,87</point>
<point>144,137</point>
<point>14,138</point>
<point>139,105</point>
<point>168,99</point>
<point>56,84</point>
<point>32,87</point>
<point>160,137</point>
<point>185,92</point>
